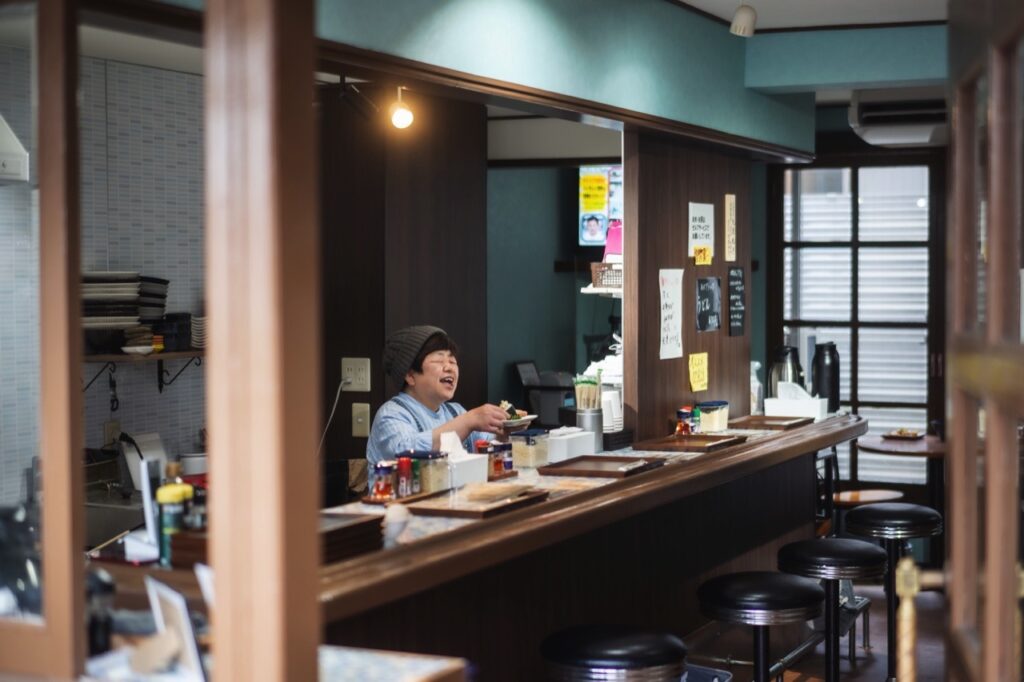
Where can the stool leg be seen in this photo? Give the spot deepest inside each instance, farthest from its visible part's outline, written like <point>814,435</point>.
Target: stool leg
<point>852,643</point>
<point>867,628</point>
<point>892,602</point>
<point>762,668</point>
<point>831,630</point>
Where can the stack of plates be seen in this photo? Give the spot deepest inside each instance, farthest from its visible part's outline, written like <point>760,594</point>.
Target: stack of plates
<point>347,535</point>
<point>198,332</point>
<point>119,300</point>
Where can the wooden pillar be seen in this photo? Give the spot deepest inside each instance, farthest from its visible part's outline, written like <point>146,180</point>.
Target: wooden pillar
<point>263,370</point>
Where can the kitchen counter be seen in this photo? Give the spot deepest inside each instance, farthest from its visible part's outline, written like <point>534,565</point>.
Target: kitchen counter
<point>630,550</point>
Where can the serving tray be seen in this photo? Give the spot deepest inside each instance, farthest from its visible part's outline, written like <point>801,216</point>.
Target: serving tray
<point>457,505</point>
<point>369,499</point>
<point>601,466</point>
<point>762,422</point>
<point>698,442</point>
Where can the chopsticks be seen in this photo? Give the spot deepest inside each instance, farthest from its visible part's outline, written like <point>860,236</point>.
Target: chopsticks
<point>588,392</point>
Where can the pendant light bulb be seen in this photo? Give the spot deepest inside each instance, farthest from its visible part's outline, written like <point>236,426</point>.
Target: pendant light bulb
<point>401,115</point>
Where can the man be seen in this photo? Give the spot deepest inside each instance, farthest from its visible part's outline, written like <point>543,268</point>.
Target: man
<point>423,361</point>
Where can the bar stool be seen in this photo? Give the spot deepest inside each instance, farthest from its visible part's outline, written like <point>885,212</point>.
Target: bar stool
<point>893,522</point>
<point>832,560</point>
<point>613,652</point>
<point>760,599</point>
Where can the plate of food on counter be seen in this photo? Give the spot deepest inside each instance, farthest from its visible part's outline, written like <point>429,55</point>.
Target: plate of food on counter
<point>517,419</point>
<point>903,434</point>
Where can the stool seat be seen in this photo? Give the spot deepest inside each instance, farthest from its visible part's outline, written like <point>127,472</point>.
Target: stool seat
<point>760,598</point>
<point>854,498</point>
<point>833,559</point>
<point>894,521</point>
<point>614,646</point>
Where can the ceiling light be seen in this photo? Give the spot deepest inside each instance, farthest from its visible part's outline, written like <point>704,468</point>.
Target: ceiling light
<point>743,21</point>
<point>401,115</point>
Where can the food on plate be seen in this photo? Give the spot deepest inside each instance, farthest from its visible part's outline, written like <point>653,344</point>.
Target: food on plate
<point>904,433</point>
<point>511,411</point>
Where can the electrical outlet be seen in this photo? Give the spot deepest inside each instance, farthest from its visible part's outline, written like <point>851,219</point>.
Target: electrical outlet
<point>360,420</point>
<point>357,371</point>
<point>111,430</point>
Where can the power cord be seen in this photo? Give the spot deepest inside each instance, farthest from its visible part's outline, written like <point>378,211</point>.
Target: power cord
<point>344,382</point>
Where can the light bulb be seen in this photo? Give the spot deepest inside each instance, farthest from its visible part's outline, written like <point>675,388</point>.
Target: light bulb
<point>401,115</point>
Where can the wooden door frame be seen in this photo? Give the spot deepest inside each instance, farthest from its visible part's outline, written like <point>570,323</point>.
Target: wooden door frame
<point>57,647</point>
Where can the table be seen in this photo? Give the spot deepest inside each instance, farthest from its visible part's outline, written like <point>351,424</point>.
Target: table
<point>934,450</point>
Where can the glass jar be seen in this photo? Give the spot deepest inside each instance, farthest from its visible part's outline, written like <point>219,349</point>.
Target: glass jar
<point>530,448</point>
<point>384,480</point>
<point>714,416</point>
<point>433,469</point>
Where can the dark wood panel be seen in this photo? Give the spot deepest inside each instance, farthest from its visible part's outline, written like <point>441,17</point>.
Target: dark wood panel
<point>436,230</point>
<point>662,176</point>
<point>642,570</point>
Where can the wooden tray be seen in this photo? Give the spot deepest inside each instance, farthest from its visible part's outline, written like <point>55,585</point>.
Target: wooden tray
<point>455,505</point>
<point>601,466</point>
<point>699,442</point>
<point>491,476</point>
<point>367,499</point>
<point>765,423</point>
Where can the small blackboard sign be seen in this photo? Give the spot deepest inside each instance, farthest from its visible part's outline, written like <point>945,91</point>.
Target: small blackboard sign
<point>737,302</point>
<point>709,304</point>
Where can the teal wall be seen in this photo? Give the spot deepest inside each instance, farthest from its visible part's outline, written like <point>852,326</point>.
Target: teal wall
<point>801,61</point>
<point>531,309</point>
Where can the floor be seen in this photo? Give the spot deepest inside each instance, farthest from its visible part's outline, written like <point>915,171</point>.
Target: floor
<point>870,665</point>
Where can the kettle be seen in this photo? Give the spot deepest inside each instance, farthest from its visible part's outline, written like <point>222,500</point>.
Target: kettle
<point>786,367</point>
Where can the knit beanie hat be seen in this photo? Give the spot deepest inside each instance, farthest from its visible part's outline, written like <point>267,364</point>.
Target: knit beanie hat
<point>401,349</point>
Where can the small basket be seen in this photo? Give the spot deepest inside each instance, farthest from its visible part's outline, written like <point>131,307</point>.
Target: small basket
<point>606,275</point>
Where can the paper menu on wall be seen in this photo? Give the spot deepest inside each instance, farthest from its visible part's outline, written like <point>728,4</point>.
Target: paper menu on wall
<point>702,228</point>
<point>670,283</point>
<point>698,372</point>
<point>730,227</point>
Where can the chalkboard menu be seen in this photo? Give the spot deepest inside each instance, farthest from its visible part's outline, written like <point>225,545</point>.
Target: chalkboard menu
<point>737,302</point>
<point>709,304</point>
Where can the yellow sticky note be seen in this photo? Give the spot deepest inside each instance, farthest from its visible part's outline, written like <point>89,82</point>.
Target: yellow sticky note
<point>698,372</point>
<point>702,254</point>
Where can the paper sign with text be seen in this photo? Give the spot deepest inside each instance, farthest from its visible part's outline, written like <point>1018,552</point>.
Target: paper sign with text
<point>670,282</point>
<point>698,372</point>
<point>702,227</point>
<point>730,227</point>
<point>702,255</point>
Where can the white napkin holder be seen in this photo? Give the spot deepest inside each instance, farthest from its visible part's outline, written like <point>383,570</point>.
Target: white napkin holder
<point>463,467</point>
<point>568,442</point>
<point>794,401</point>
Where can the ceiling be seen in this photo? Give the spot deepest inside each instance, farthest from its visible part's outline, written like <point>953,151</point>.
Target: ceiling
<point>777,14</point>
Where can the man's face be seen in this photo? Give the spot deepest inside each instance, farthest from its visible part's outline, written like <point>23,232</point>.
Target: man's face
<point>593,227</point>
<point>439,378</point>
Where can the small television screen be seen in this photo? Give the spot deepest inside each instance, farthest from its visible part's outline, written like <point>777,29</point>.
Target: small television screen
<point>600,205</point>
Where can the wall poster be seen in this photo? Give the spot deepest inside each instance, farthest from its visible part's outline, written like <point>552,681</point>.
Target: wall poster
<point>730,228</point>
<point>702,228</point>
<point>670,283</point>
<point>709,304</point>
<point>737,302</point>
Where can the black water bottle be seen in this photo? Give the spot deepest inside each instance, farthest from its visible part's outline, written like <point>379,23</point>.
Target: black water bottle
<point>825,374</point>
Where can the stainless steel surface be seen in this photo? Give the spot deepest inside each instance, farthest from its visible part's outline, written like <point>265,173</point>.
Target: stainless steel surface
<point>785,367</point>
<point>763,617</point>
<point>662,673</point>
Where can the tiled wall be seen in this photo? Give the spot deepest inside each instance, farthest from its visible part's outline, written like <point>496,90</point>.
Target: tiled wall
<point>142,210</point>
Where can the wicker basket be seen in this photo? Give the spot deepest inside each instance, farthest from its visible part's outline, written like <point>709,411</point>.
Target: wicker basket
<point>606,275</point>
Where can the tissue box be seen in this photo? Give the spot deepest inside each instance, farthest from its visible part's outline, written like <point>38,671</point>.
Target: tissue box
<point>789,407</point>
<point>569,442</point>
<point>465,468</point>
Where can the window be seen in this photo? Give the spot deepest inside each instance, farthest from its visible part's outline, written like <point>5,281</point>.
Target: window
<point>855,271</point>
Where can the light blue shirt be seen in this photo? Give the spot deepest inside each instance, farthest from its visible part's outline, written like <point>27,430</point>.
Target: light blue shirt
<point>404,423</point>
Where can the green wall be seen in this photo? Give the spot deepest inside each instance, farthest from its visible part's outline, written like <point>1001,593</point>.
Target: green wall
<point>802,61</point>
<point>531,309</point>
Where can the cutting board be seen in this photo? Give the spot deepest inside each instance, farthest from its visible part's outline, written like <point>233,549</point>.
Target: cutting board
<point>700,442</point>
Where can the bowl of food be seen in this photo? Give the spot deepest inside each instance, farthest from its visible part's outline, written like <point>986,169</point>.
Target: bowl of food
<point>903,434</point>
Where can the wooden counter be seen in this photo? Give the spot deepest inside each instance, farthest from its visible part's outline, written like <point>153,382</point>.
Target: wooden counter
<point>632,551</point>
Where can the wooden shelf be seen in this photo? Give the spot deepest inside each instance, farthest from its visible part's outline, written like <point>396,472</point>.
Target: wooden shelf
<point>129,357</point>
<point>602,291</point>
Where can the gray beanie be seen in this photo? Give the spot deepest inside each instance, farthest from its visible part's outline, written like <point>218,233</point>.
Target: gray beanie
<point>401,349</point>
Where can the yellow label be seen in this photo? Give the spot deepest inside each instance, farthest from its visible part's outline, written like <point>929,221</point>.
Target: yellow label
<point>593,193</point>
<point>698,372</point>
<point>702,255</point>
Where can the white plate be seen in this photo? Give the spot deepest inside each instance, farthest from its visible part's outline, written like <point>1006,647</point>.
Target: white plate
<point>522,421</point>
<point>137,350</point>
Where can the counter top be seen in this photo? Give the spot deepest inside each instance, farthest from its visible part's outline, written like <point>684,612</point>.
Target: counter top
<point>435,550</point>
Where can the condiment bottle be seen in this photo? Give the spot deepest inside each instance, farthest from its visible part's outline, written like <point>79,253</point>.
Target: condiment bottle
<point>683,421</point>
<point>171,498</point>
<point>404,476</point>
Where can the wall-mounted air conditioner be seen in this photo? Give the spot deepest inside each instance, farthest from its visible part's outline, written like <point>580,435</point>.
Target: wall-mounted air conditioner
<point>907,119</point>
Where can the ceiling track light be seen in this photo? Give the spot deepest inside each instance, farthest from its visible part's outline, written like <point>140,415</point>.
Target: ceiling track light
<point>743,21</point>
<point>401,114</point>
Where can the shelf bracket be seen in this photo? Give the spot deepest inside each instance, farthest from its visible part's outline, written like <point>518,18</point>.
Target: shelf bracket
<point>108,366</point>
<point>162,373</point>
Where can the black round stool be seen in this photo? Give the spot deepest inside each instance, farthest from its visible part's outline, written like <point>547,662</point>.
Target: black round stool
<point>893,522</point>
<point>613,652</point>
<point>760,598</point>
<point>832,560</point>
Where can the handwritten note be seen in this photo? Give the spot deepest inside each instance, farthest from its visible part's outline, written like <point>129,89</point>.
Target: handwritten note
<point>702,255</point>
<point>730,227</point>
<point>709,304</point>
<point>698,372</point>
<point>737,302</point>
<point>671,284</point>
<point>702,227</point>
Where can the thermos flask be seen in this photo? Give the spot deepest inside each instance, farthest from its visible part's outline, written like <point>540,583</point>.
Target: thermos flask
<point>825,374</point>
